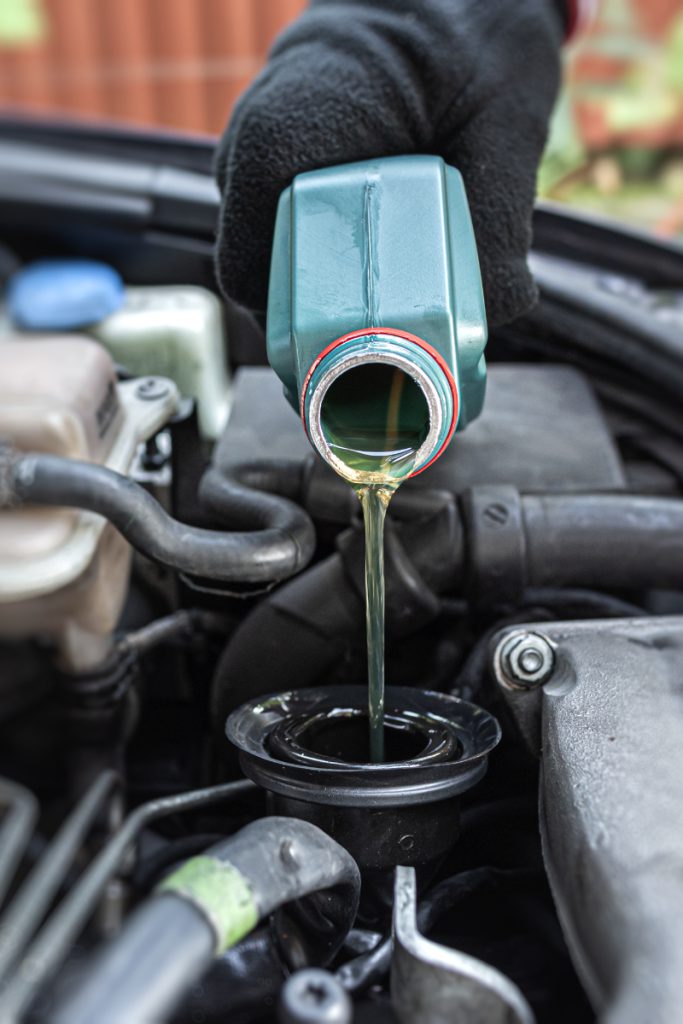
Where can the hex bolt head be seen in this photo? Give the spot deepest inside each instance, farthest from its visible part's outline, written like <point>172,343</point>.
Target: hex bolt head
<point>526,659</point>
<point>151,389</point>
<point>314,996</point>
<point>530,660</point>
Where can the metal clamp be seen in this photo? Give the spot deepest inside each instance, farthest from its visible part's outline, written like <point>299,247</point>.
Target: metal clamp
<point>496,545</point>
<point>432,984</point>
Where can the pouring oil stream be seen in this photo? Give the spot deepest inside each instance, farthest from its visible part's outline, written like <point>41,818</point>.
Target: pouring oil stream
<point>377,451</point>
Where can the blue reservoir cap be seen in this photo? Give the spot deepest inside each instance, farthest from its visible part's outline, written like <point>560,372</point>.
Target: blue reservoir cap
<point>63,295</point>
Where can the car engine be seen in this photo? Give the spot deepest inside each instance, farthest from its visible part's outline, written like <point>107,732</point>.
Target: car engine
<point>191,830</point>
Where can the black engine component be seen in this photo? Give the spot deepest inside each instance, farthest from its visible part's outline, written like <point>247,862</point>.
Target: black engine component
<point>564,501</point>
<point>309,750</point>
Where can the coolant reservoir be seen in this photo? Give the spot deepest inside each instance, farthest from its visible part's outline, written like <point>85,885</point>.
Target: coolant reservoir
<point>64,572</point>
<point>177,331</point>
<point>62,401</point>
<point>59,396</point>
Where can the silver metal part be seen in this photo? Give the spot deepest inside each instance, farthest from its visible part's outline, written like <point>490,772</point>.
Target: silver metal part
<point>432,984</point>
<point>314,996</point>
<point>317,435</point>
<point>20,815</point>
<point>55,939</point>
<point>36,894</point>
<point>524,659</point>
<point>609,725</point>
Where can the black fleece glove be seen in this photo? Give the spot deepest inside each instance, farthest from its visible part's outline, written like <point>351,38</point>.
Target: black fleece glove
<point>473,81</point>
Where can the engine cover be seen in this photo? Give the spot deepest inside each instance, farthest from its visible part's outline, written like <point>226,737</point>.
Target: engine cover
<point>541,431</point>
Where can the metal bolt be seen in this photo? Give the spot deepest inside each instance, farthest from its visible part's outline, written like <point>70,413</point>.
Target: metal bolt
<point>314,996</point>
<point>530,660</point>
<point>151,389</point>
<point>526,659</point>
<point>496,514</point>
<point>288,855</point>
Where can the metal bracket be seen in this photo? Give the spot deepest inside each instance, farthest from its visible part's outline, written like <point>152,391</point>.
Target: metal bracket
<point>432,984</point>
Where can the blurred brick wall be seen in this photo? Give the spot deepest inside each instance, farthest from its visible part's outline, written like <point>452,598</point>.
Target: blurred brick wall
<point>182,63</point>
<point>174,63</point>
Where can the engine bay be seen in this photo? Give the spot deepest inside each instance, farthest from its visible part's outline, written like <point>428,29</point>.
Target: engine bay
<point>192,828</point>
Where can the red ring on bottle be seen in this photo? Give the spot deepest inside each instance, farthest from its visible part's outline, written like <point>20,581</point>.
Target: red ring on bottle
<point>390,332</point>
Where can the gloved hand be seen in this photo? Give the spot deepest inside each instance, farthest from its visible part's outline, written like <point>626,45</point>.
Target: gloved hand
<point>472,81</point>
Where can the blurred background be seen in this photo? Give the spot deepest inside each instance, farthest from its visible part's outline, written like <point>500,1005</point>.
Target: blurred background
<point>616,144</point>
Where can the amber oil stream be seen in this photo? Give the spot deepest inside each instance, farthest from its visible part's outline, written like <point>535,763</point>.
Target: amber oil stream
<point>375,420</point>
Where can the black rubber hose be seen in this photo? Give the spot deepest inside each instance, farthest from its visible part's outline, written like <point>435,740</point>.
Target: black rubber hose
<point>206,906</point>
<point>278,538</point>
<point>603,542</point>
<point>647,354</point>
<point>275,476</point>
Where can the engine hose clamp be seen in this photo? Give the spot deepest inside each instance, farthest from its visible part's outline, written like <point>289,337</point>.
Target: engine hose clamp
<point>496,546</point>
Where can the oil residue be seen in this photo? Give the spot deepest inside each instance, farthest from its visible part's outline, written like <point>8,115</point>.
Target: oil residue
<point>375,419</point>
